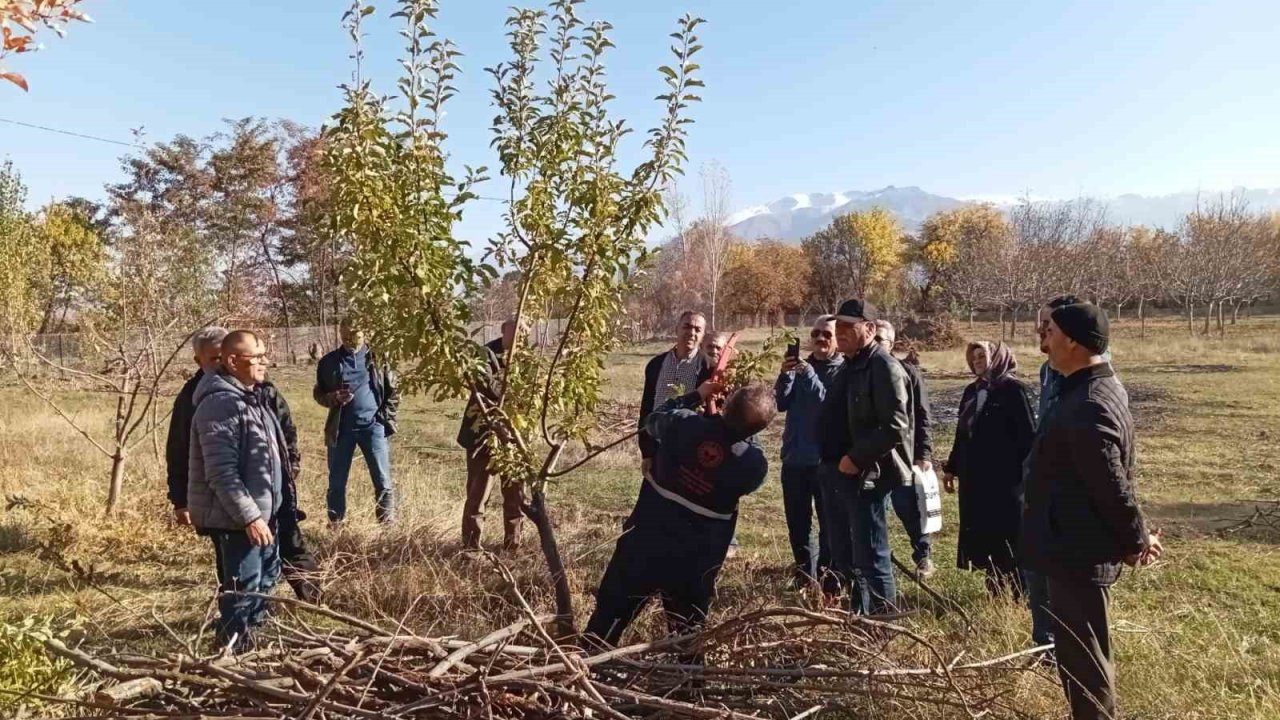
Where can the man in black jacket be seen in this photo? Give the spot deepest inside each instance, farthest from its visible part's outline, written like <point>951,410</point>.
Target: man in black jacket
<point>906,498</point>
<point>867,450</point>
<point>296,558</point>
<point>1081,518</point>
<point>471,436</point>
<point>676,538</point>
<point>360,392</point>
<point>683,366</point>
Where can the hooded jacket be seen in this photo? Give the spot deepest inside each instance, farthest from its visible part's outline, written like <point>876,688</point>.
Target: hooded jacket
<point>238,458</point>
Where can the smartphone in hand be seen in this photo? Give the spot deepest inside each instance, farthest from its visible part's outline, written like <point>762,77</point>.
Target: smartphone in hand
<point>793,349</point>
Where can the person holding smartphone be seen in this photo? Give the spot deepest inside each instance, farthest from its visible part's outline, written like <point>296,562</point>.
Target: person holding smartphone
<point>799,391</point>
<point>362,398</point>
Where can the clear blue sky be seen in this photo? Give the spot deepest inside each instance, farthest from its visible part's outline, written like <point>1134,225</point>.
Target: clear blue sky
<point>960,98</point>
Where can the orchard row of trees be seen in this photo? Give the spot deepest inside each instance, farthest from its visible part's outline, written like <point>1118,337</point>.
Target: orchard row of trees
<point>1221,258</point>
<point>230,225</point>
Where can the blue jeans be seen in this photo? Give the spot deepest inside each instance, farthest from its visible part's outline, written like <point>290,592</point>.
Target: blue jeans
<point>242,567</point>
<point>859,540</point>
<point>801,499</point>
<point>906,505</point>
<point>373,444</point>
<point>1037,586</point>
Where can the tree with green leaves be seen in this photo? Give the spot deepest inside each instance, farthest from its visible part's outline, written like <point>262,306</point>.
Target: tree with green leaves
<point>575,224</point>
<point>19,304</point>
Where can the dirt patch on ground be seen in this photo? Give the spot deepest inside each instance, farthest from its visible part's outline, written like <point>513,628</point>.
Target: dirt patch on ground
<point>1193,369</point>
<point>1149,404</point>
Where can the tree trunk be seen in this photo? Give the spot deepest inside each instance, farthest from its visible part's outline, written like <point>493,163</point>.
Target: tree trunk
<point>1208,314</point>
<point>117,460</point>
<point>1118,306</point>
<point>971,313</point>
<point>1013,323</point>
<point>117,481</point>
<point>1001,316</point>
<point>1221,330</point>
<point>1191,317</point>
<point>1142,320</point>
<point>536,511</point>
<point>1235,312</point>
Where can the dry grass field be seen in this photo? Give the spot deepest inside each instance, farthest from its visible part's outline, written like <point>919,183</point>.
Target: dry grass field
<point>1198,634</point>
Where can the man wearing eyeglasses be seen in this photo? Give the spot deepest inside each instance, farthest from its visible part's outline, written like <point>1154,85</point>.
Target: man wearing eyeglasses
<point>298,562</point>
<point>799,391</point>
<point>235,486</point>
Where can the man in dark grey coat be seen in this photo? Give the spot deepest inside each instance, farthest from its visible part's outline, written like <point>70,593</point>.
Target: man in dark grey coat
<point>906,498</point>
<point>867,450</point>
<point>1081,518</point>
<point>235,485</point>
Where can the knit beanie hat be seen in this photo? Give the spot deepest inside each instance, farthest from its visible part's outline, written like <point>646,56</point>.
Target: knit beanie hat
<point>1085,323</point>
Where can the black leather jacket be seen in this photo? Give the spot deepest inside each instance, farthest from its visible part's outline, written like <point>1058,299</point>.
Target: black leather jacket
<point>869,416</point>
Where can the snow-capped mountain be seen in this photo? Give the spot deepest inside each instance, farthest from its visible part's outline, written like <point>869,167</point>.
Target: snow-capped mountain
<point>797,216</point>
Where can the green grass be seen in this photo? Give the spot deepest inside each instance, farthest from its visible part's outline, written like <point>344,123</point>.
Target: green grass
<point>1197,635</point>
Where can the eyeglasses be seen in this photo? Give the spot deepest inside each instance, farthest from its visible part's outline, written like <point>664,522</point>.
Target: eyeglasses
<point>815,334</point>
<point>259,359</point>
<point>879,339</point>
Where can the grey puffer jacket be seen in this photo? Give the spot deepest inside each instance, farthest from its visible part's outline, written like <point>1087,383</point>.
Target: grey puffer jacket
<point>236,468</point>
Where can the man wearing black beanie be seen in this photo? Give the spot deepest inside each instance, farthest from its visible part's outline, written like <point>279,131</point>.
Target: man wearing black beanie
<point>1080,513</point>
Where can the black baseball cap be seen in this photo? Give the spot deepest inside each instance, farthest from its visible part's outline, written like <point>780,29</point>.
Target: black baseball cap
<point>857,310</point>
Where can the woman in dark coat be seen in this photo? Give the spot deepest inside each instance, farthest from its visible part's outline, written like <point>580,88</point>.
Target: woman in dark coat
<point>993,436</point>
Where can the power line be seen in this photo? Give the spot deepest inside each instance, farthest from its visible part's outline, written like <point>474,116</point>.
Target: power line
<point>72,134</point>
<point>140,147</point>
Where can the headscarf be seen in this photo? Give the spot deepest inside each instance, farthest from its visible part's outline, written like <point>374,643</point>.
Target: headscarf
<point>1001,365</point>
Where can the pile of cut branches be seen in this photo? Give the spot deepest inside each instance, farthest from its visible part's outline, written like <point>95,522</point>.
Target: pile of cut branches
<point>314,662</point>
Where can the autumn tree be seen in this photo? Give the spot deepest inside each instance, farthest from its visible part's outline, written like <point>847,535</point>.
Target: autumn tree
<point>768,279</point>
<point>575,228</point>
<point>666,284</point>
<point>249,196</point>
<point>1152,254</point>
<point>855,256</point>
<point>133,302</point>
<point>1044,260</point>
<point>958,252</point>
<point>20,20</point>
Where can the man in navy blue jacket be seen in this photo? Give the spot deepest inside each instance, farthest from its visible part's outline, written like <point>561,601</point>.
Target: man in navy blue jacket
<point>676,538</point>
<point>800,389</point>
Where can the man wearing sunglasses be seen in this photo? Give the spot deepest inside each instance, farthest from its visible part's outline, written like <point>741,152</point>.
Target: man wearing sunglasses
<point>799,391</point>
<point>235,487</point>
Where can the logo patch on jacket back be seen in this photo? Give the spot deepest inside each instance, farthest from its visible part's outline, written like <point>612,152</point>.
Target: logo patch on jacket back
<point>710,454</point>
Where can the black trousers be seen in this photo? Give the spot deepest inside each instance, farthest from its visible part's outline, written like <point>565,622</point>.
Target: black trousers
<point>677,561</point>
<point>1080,629</point>
<point>298,564</point>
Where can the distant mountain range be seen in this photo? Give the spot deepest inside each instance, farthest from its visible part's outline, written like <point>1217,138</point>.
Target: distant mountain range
<point>797,216</point>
